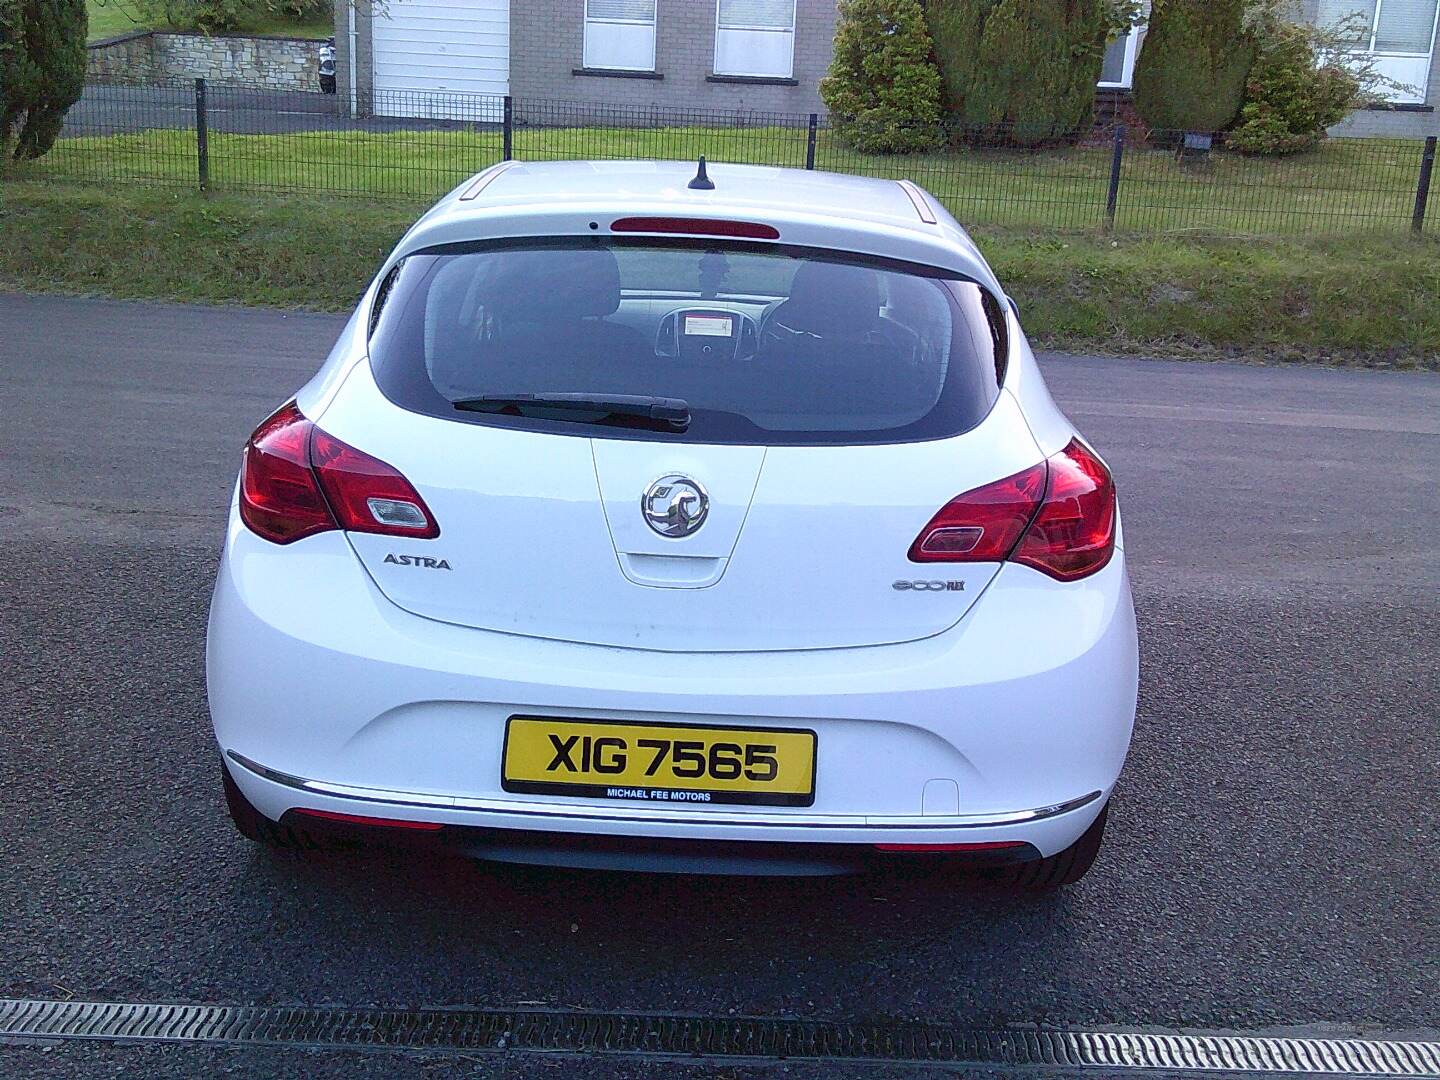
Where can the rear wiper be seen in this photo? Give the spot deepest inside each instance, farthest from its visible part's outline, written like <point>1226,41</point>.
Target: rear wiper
<point>672,414</point>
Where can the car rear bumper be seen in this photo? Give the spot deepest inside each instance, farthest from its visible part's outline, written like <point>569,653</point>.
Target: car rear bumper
<point>471,819</point>
<point>653,854</point>
<point>1011,726</point>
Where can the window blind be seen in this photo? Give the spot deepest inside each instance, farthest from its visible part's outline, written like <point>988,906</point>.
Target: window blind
<point>621,10</point>
<point>1358,15</point>
<point>1406,26</point>
<point>757,14</point>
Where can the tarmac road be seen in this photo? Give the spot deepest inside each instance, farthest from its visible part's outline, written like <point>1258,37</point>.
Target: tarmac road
<point>105,109</point>
<point>1271,856</point>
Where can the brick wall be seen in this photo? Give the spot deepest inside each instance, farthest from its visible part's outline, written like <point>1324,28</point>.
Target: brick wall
<point>547,36</point>
<point>272,62</point>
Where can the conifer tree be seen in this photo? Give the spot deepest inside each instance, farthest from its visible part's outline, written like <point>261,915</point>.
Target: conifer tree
<point>883,91</point>
<point>1024,70</point>
<point>42,70</point>
<point>1191,72</point>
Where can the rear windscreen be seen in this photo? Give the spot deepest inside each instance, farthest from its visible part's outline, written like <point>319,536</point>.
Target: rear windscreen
<point>766,345</point>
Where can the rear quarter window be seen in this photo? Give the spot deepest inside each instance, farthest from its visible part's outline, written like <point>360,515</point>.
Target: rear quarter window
<point>766,344</point>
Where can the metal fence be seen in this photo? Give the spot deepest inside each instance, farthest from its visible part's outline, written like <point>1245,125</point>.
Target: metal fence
<point>415,146</point>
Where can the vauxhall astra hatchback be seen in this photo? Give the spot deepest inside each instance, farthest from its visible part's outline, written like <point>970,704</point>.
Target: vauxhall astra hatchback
<point>652,519</point>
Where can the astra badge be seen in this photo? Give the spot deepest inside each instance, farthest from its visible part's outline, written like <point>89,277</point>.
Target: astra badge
<point>418,560</point>
<point>675,506</point>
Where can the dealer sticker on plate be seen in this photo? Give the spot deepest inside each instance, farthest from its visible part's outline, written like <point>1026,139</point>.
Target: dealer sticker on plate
<point>658,763</point>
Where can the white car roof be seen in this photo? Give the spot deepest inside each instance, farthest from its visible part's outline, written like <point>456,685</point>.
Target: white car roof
<point>829,211</point>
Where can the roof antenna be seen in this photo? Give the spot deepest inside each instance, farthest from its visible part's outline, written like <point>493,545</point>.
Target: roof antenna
<point>701,181</point>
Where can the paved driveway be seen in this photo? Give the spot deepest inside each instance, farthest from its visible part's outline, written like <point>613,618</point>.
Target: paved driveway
<point>1271,860</point>
<point>116,110</point>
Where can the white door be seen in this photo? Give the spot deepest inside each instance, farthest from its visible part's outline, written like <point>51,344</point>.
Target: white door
<point>444,59</point>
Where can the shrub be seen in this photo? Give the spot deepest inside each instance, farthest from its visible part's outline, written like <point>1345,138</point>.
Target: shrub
<point>300,10</point>
<point>206,15</point>
<point>1023,70</point>
<point>1291,96</point>
<point>882,91</point>
<point>216,15</point>
<point>1190,75</point>
<point>42,70</point>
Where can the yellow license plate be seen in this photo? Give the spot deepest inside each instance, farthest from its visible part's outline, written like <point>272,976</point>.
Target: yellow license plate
<point>658,763</point>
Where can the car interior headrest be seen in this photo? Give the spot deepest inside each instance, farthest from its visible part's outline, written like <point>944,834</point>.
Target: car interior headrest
<point>832,298</point>
<point>549,286</point>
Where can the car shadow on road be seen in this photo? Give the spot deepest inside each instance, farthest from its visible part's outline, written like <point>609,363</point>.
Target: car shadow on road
<point>598,939</point>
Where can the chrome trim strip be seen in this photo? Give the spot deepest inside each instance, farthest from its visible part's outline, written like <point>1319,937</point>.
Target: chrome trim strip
<point>917,197</point>
<point>643,817</point>
<point>484,178</point>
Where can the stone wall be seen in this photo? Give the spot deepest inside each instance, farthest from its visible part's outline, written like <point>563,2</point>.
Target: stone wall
<point>275,63</point>
<point>129,58</point>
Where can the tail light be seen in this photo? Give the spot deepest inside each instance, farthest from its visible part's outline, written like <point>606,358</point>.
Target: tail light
<point>279,498</point>
<point>753,230</point>
<point>982,845</point>
<point>1073,535</point>
<point>297,480</point>
<point>1057,517</point>
<point>982,525</point>
<point>369,822</point>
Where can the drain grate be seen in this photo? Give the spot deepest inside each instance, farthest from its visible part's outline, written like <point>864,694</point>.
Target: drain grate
<point>689,1036</point>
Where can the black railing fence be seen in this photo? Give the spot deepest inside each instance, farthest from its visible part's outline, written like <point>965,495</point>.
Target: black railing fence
<point>415,146</point>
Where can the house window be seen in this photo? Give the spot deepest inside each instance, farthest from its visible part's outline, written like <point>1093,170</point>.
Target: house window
<point>1118,68</point>
<point>1385,26</point>
<point>1400,34</point>
<point>620,34</point>
<point>1405,26</point>
<point>755,38</point>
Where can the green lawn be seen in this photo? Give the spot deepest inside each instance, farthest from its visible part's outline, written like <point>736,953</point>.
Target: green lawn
<point>109,18</point>
<point>1359,299</point>
<point>321,26</point>
<point>1344,187</point>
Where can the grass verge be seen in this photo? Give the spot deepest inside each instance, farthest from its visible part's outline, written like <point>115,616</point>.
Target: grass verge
<point>1351,301</point>
<point>1346,186</point>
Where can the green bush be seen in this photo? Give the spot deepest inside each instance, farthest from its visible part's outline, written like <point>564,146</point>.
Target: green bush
<point>217,15</point>
<point>1021,70</point>
<point>206,15</point>
<point>1291,96</point>
<point>882,91</point>
<point>42,70</point>
<point>1190,75</point>
<point>301,10</point>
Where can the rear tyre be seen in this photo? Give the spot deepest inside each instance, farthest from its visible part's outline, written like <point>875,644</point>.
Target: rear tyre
<point>255,826</point>
<point>1064,867</point>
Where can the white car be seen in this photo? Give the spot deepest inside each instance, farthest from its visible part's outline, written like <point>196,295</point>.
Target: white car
<point>643,518</point>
